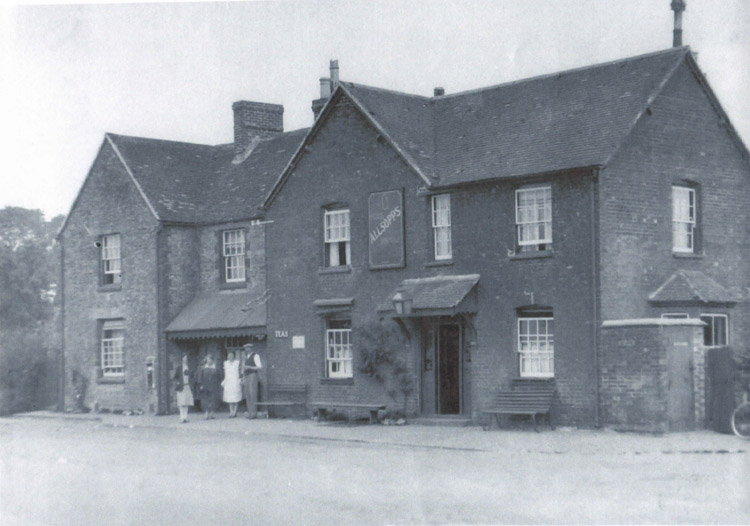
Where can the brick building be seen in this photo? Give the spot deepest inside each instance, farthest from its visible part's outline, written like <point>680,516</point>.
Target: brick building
<point>500,228</point>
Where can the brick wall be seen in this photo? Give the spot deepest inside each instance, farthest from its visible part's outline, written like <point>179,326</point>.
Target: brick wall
<point>680,139</point>
<point>346,162</point>
<point>109,203</point>
<point>635,375</point>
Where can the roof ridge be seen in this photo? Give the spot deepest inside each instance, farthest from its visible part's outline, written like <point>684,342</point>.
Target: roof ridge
<point>697,294</point>
<point>682,49</point>
<point>115,136</point>
<point>385,90</point>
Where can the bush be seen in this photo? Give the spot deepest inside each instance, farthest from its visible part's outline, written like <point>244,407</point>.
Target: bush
<point>742,369</point>
<point>383,352</point>
<point>24,369</point>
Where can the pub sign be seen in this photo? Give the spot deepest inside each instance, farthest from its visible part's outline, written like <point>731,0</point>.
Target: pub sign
<point>386,229</point>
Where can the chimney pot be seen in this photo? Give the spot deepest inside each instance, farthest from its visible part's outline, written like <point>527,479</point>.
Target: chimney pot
<point>678,6</point>
<point>439,92</point>
<point>334,67</point>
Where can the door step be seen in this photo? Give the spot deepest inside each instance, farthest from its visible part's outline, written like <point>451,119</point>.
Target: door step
<point>448,421</point>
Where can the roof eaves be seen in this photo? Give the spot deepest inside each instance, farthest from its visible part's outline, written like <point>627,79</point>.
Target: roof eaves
<point>649,101</point>
<point>132,177</point>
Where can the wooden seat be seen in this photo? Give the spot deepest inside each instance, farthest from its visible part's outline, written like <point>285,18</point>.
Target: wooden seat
<point>285,395</point>
<point>322,407</point>
<point>526,397</point>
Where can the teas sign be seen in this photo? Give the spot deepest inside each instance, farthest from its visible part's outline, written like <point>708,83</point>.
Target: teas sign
<point>386,229</point>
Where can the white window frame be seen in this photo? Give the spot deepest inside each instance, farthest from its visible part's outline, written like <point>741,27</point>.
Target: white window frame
<point>675,316</point>
<point>112,348</point>
<point>339,352</point>
<point>530,217</point>
<point>684,219</point>
<point>713,328</point>
<point>441,226</point>
<point>536,352</point>
<point>111,258</point>
<point>336,225</point>
<point>233,252</point>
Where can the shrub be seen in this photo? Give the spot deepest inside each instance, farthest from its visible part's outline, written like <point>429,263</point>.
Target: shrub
<point>383,352</point>
<point>24,367</point>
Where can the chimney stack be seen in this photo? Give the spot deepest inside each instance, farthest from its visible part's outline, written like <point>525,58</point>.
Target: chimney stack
<point>327,86</point>
<point>678,6</point>
<point>254,121</point>
<point>438,92</point>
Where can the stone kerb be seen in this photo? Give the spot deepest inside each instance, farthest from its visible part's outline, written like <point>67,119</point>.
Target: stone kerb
<point>634,376</point>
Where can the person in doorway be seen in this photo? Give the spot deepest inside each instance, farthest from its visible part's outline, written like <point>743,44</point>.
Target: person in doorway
<point>209,382</point>
<point>231,383</point>
<point>250,380</point>
<point>183,379</point>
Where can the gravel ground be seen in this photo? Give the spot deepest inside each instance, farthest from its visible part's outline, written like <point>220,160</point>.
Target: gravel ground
<point>152,470</point>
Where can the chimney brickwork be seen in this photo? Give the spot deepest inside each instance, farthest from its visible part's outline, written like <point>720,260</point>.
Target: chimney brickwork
<point>255,120</point>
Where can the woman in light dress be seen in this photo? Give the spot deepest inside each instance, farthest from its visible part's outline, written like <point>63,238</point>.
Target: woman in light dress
<point>183,379</point>
<point>231,383</point>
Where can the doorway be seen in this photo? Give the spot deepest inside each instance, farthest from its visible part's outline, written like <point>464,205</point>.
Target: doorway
<point>680,393</point>
<point>448,380</point>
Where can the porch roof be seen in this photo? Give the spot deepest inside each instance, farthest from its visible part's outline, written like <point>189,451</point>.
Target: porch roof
<point>437,296</point>
<point>691,286</point>
<point>220,314</point>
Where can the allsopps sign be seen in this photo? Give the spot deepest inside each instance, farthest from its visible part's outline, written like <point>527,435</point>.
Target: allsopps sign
<point>386,223</point>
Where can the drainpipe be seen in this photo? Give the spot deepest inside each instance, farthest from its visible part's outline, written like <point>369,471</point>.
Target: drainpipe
<point>61,365</point>
<point>595,290</point>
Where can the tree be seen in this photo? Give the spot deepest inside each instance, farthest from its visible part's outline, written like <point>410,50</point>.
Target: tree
<point>29,339</point>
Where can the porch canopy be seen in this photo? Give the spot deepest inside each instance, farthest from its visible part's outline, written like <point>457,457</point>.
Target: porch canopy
<point>691,287</point>
<point>434,296</point>
<point>219,315</point>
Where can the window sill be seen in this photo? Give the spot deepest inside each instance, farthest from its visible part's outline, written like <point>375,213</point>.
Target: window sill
<point>687,255</point>
<point>233,285</point>
<point>532,255</point>
<point>110,288</point>
<point>337,381</point>
<point>439,263</point>
<point>110,380</point>
<point>341,269</point>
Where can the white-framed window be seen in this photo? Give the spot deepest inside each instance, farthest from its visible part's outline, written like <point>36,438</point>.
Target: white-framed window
<point>339,349</point>
<point>112,353</point>
<point>441,226</point>
<point>675,316</point>
<point>683,219</point>
<point>536,344</point>
<point>534,218</point>
<point>337,237</point>
<point>111,260</point>
<point>716,331</point>
<point>233,251</point>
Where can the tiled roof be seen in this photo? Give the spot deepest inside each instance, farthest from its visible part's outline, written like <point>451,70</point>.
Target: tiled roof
<point>434,293</point>
<point>198,183</point>
<point>692,286</point>
<point>220,313</point>
<point>571,119</point>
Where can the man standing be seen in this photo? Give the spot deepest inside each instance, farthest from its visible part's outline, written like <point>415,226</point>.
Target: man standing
<point>250,380</point>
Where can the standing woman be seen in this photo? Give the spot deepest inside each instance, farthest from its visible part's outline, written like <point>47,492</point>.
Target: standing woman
<point>250,382</point>
<point>183,379</point>
<point>231,383</point>
<point>209,380</point>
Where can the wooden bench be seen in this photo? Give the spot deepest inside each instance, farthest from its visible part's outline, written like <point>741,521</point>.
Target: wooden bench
<point>321,408</point>
<point>526,397</point>
<point>285,395</point>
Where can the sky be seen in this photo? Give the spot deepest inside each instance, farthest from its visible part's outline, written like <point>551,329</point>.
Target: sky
<point>172,70</point>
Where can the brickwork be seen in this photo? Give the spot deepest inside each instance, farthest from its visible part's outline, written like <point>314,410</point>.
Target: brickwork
<point>680,138</point>
<point>109,203</point>
<point>345,163</point>
<point>635,376</point>
<point>255,119</point>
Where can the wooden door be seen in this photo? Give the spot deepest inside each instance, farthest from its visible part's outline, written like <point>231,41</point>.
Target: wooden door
<point>680,408</point>
<point>449,369</point>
